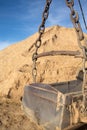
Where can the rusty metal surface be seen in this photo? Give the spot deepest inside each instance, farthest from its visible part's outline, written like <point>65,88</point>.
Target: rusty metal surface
<point>53,53</point>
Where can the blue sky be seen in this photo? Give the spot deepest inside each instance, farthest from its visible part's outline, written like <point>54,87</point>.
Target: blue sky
<point>20,18</point>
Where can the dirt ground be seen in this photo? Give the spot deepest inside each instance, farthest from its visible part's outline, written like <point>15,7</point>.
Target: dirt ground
<point>13,118</point>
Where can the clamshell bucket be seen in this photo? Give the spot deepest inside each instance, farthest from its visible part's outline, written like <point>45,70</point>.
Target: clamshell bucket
<point>58,105</point>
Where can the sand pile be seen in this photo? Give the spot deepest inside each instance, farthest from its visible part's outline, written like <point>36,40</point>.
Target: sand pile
<point>16,61</point>
<point>16,70</point>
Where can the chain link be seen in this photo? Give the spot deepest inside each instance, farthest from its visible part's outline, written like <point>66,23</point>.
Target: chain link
<point>39,41</point>
<point>82,42</point>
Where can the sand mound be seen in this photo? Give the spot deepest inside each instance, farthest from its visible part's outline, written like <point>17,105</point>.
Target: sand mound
<point>16,61</point>
<point>16,72</point>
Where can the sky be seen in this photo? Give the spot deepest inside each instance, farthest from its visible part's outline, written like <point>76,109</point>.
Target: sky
<point>20,19</point>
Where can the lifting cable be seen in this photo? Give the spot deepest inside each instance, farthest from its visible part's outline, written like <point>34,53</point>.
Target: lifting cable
<point>80,5</point>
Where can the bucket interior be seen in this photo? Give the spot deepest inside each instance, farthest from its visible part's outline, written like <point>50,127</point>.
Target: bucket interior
<point>68,87</point>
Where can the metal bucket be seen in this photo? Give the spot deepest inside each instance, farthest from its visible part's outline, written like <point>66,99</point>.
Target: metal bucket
<point>55,105</point>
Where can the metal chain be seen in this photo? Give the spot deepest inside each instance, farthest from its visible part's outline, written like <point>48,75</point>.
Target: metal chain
<point>39,41</point>
<point>82,42</point>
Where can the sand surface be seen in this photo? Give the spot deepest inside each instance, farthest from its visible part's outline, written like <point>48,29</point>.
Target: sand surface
<point>16,72</point>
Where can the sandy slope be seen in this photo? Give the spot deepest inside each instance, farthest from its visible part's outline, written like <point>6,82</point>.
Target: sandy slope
<point>16,72</point>
<point>16,61</point>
